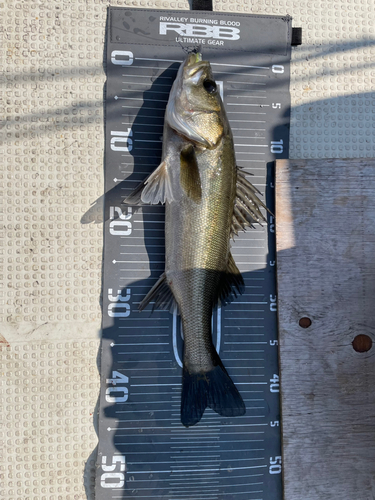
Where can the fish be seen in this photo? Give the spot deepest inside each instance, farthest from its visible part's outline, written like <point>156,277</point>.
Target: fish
<point>208,200</point>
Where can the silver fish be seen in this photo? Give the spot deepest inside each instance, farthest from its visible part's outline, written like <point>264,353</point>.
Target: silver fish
<point>207,200</point>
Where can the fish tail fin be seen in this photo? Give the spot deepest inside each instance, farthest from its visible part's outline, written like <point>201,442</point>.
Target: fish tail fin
<point>193,397</point>
<point>215,389</point>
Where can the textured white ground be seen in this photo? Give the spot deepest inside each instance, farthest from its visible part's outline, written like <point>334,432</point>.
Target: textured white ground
<point>51,171</point>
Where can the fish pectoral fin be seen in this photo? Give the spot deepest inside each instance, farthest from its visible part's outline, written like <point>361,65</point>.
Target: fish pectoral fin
<point>231,283</point>
<point>161,294</point>
<point>247,205</point>
<point>190,179</point>
<point>156,188</point>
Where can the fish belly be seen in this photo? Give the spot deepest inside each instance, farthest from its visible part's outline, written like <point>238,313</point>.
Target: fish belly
<point>197,249</point>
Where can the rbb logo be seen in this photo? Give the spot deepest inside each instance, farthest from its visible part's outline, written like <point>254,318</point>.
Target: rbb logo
<point>201,30</point>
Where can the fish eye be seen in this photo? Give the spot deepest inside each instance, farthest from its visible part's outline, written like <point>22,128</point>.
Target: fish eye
<point>210,86</point>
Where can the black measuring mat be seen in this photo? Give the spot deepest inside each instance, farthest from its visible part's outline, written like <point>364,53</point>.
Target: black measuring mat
<point>144,450</point>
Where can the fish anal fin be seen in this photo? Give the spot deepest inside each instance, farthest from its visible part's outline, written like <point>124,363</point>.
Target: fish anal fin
<point>231,283</point>
<point>161,294</point>
<point>156,188</point>
<point>189,174</point>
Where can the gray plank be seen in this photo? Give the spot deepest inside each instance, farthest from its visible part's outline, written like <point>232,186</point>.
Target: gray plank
<point>325,232</point>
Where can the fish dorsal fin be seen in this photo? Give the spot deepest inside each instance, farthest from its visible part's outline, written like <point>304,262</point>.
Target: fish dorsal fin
<point>189,174</point>
<point>161,294</point>
<point>231,283</point>
<point>246,206</point>
<point>156,188</point>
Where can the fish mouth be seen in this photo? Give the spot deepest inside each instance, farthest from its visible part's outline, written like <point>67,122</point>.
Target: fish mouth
<point>194,64</point>
<point>193,58</point>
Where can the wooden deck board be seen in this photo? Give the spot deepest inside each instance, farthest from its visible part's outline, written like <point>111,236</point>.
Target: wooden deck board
<point>325,231</point>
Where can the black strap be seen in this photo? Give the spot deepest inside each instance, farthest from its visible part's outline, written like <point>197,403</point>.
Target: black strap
<point>296,36</point>
<point>201,5</point>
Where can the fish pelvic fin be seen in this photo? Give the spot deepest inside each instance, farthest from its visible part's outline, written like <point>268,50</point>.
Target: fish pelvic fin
<point>231,283</point>
<point>215,389</point>
<point>156,188</point>
<point>189,174</point>
<point>247,205</point>
<point>161,294</point>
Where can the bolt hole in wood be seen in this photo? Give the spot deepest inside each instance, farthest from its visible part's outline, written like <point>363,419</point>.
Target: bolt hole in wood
<point>362,343</point>
<point>305,322</point>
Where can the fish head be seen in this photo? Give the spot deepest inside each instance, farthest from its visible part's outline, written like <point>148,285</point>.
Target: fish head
<point>195,109</point>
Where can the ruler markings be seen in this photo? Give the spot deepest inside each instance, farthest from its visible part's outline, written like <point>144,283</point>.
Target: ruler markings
<point>249,96</point>
<point>212,461</point>
<point>150,87</point>
<point>176,489</point>
<point>163,496</point>
<point>221,487</point>
<point>154,109</point>
<point>246,121</point>
<point>146,343</point>
<point>180,496</point>
<point>146,352</point>
<point>195,447</point>
<point>244,74</point>
<point>145,133</point>
<point>156,318</point>
<point>156,67</point>
<point>200,470</point>
<point>178,457</point>
<point>246,137</point>
<point>171,462</point>
<point>247,476</point>
<point>138,115</point>
<point>149,77</point>
<point>253,145</point>
<point>157,59</point>
<point>250,130</point>
<point>148,335</point>
<point>238,112</point>
<point>143,99</point>
<point>208,444</point>
<point>148,140</point>
<point>241,66</point>
<point>137,327</point>
<point>246,343</point>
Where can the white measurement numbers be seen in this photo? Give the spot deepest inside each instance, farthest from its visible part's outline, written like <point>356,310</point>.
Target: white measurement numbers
<point>113,473</point>
<point>119,306</point>
<point>122,225</point>
<point>118,391</point>
<point>275,465</point>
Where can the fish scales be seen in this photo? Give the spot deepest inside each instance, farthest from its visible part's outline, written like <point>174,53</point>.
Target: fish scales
<point>207,201</point>
<point>197,248</point>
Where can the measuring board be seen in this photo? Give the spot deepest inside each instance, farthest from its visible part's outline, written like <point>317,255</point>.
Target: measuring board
<point>144,450</point>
